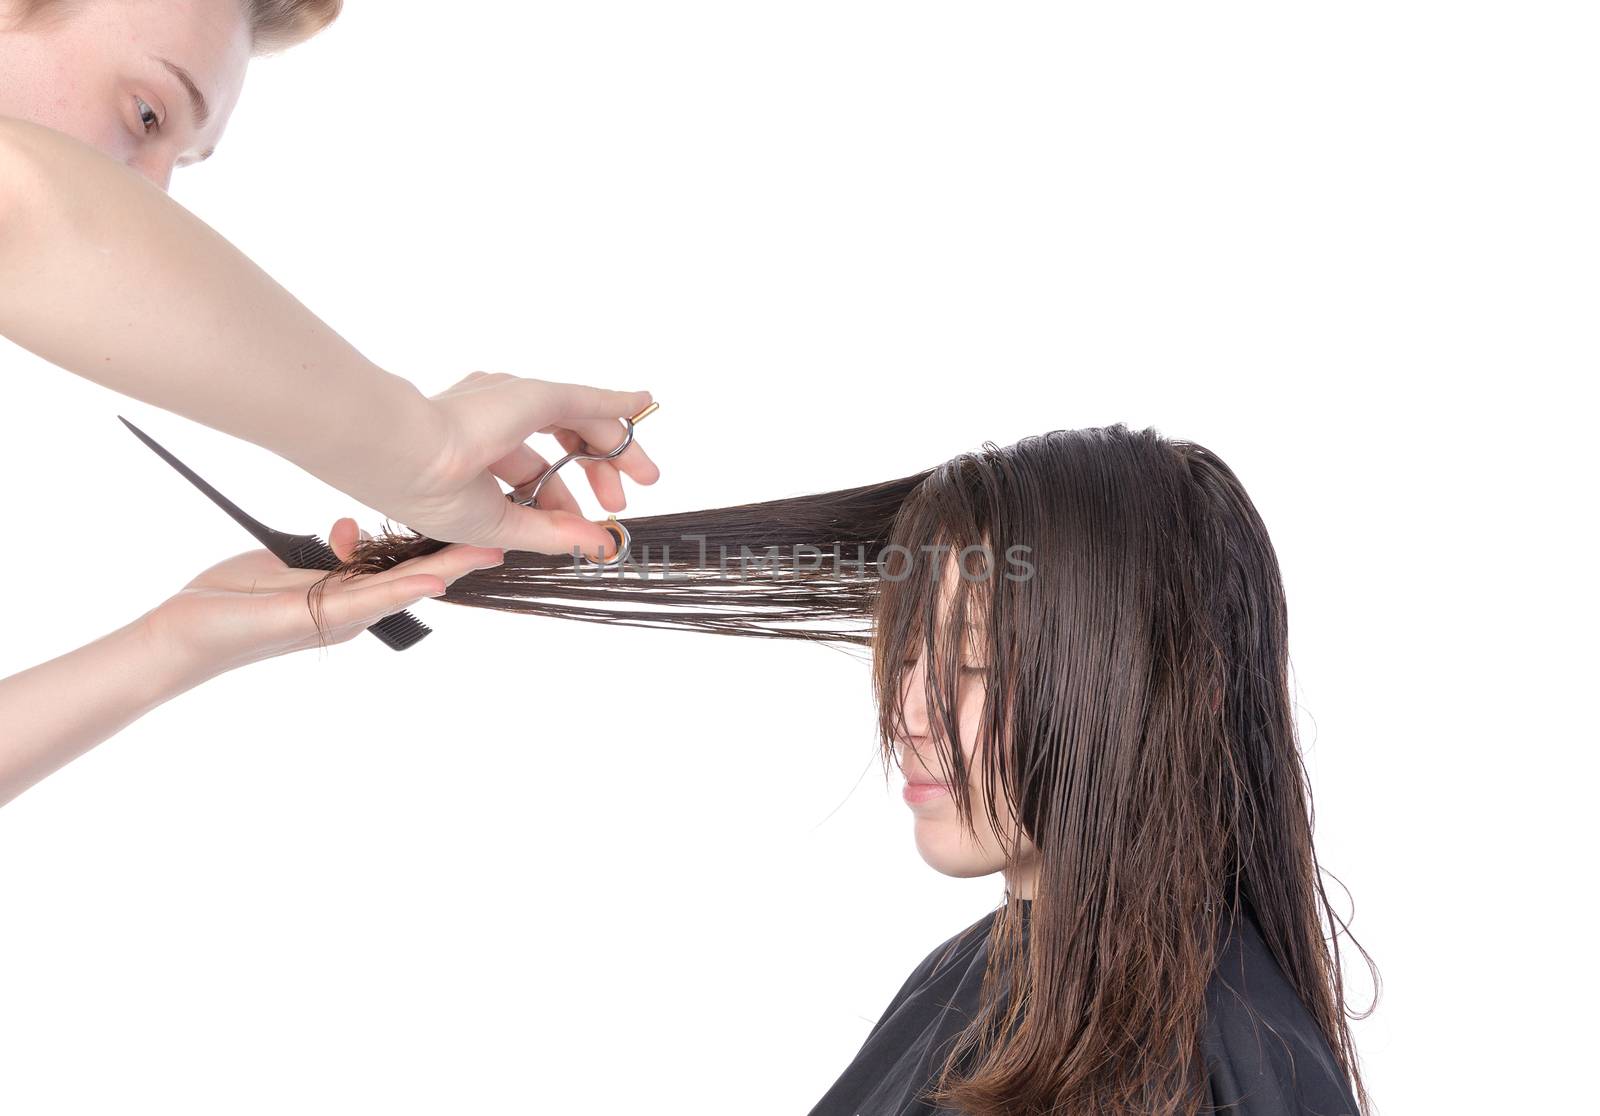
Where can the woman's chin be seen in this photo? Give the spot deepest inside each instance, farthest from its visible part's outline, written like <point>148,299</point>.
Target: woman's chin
<point>946,854</point>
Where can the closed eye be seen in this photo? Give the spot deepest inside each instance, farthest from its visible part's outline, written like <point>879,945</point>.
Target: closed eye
<point>965,668</point>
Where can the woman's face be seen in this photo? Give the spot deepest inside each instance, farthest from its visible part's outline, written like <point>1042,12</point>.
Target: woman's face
<point>942,840</point>
<point>151,83</point>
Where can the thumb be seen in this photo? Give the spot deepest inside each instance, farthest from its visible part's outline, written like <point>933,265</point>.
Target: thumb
<point>555,402</point>
<point>552,532</point>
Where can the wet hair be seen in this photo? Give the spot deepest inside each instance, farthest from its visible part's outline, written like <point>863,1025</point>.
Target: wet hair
<point>797,568</point>
<point>1121,590</point>
<point>274,24</point>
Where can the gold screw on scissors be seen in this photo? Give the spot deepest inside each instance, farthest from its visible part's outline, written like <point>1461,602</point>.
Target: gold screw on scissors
<point>528,494</point>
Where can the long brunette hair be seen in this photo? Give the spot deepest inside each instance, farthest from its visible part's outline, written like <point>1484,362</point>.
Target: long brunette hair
<point>1138,723</point>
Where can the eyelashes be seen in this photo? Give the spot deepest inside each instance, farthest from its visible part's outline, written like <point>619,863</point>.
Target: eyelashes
<point>967,669</point>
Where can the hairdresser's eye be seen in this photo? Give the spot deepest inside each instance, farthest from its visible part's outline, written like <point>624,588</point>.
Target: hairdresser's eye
<point>147,115</point>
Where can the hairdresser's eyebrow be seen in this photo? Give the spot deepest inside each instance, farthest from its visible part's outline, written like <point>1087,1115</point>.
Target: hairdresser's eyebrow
<point>197,99</point>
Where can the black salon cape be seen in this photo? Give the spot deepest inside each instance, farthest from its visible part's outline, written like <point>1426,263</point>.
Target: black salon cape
<point>1264,1054</point>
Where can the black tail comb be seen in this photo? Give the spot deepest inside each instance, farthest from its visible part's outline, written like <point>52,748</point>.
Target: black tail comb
<point>300,552</point>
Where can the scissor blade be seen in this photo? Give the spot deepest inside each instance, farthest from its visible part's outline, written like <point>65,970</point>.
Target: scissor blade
<point>261,531</point>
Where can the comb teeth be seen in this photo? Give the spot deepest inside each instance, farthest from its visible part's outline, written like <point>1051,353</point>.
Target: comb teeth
<point>300,552</point>
<point>400,630</point>
<point>308,552</point>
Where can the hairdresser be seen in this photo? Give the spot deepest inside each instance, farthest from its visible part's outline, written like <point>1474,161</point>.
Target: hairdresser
<point>102,274</point>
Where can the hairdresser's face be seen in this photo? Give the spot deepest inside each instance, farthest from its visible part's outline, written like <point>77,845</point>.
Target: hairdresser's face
<point>942,840</point>
<point>107,72</point>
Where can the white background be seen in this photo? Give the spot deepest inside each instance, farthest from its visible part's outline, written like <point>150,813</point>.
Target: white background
<point>537,867</point>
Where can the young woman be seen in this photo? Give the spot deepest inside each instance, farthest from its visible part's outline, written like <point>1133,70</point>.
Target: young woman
<point>104,275</point>
<point>1079,655</point>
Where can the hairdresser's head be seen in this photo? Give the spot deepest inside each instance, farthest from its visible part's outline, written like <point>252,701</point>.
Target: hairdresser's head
<point>151,83</point>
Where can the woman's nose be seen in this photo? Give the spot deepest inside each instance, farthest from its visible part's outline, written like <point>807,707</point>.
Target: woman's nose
<point>913,704</point>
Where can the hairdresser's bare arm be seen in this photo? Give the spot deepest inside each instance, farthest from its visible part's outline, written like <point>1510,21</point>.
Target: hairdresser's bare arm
<point>104,275</point>
<point>242,610</point>
<point>55,712</point>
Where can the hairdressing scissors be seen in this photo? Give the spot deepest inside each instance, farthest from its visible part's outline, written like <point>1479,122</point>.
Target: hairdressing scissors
<point>528,494</point>
<point>300,552</point>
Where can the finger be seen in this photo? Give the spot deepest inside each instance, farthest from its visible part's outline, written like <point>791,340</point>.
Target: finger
<point>551,532</point>
<point>342,538</point>
<point>604,435</point>
<point>557,402</point>
<point>524,464</point>
<point>447,564</point>
<point>602,475</point>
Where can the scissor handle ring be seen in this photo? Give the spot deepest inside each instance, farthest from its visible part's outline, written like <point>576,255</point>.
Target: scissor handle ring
<point>618,531</point>
<point>528,494</point>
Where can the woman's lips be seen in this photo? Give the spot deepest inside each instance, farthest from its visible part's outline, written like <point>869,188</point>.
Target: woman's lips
<point>917,793</point>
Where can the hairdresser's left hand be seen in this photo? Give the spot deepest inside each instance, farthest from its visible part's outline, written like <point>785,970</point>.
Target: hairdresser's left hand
<point>252,606</point>
<point>437,474</point>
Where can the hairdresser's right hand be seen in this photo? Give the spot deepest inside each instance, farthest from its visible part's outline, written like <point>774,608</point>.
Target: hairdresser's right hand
<point>440,481</point>
<point>252,607</point>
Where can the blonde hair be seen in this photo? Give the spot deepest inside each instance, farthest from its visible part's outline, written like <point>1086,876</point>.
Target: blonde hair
<point>274,24</point>
<point>277,24</point>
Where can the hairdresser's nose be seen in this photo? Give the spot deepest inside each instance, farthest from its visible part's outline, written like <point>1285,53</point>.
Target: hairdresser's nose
<point>154,166</point>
